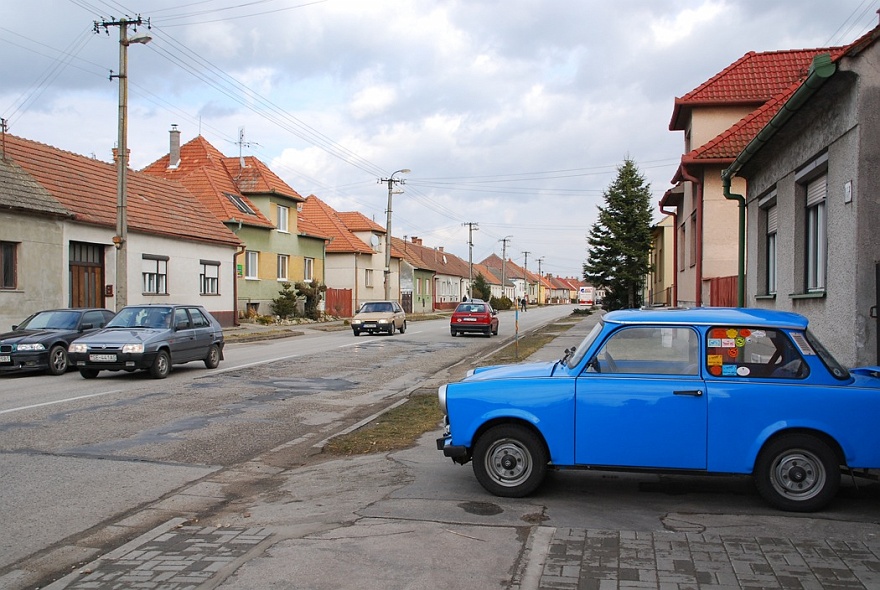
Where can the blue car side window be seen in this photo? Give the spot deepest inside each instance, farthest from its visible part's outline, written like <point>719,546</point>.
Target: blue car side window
<point>649,350</point>
<point>740,352</point>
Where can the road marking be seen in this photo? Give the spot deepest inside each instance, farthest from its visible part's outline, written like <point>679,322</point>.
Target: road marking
<point>60,401</point>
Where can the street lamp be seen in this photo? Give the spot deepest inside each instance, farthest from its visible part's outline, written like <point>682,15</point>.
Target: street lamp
<point>120,240</point>
<point>390,180</point>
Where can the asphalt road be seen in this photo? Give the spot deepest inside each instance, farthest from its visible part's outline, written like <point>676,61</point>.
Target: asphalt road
<point>78,454</point>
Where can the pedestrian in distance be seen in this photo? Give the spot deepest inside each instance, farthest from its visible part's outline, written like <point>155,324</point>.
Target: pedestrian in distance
<point>522,303</point>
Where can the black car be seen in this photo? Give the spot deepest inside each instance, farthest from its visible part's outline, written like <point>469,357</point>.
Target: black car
<point>40,342</point>
<point>150,337</point>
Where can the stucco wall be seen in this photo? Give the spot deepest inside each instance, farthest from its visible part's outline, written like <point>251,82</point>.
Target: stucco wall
<point>842,119</point>
<point>40,264</point>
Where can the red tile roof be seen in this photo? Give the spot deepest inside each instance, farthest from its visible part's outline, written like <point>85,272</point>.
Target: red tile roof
<point>328,222</point>
<point>203,169</point>
<point>257,179</point>
<point>86,187</point>
<point>356,221</point>
<point>753,79</point>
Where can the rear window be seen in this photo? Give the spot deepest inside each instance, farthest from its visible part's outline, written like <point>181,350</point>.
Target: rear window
<point>752,352</point>
<point>470,308</point>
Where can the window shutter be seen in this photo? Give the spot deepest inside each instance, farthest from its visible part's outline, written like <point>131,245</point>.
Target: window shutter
<point>817,190</point>
<point>771,220</point>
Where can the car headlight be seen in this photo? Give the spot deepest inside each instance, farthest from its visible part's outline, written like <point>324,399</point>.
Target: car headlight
<point>441,395</point>
<point>357,322</point>
<point>31,347</point>
<point>384,321</point>
<point>76,347</point>
<point>133,349</point>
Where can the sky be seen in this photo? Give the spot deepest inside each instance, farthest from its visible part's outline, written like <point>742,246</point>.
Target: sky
<point>511,115</point>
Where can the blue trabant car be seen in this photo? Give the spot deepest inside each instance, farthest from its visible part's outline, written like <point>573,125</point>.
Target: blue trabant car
<point>708,390</point>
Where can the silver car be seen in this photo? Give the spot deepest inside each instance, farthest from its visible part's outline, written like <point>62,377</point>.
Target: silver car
<point>152,338</point>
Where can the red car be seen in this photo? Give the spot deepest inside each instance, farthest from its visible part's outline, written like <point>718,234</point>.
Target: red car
<point>474,316</point>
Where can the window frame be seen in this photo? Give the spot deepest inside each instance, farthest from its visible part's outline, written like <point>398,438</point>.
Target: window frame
<point>154,282</point>
<point>282,268</point>
<point>8,265</point>
<point>209,285</point>
<point>251,264</point>
<point>283,219</point>
<point>368,277</point>
<point>308,269</point>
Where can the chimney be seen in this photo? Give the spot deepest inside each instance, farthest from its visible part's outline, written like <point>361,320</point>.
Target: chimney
<point>440,248</point>
<point>116,155</point>
<point>174,151</point>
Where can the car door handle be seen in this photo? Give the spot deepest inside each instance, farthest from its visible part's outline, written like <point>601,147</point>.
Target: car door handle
<point>691,392</point>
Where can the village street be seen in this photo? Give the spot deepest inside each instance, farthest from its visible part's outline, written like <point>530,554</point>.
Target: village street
<point>75,453</point>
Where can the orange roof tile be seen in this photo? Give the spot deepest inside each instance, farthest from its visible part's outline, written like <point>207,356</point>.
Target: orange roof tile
<point>87,188</point>
<point>754,78</point>
<point>325,218</point>
<point>256,178</point>
<point>202,169</point>
<point>356,221</point>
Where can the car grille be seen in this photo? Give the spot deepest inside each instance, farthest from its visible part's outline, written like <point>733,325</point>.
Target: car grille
<point>5,348</point>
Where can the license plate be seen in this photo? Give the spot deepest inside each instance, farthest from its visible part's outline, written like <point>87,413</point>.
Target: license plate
<point>5,358</point>
<point>470,319</point>
<point>102,358</point>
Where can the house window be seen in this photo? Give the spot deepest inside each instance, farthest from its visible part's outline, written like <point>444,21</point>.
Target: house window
<point>240,203</point>
<point>8,270</point>
<point>816,237</point>
<point>693,242</point>
<point>209,278</point>
<point>368,277</point>
<point>283,264</point>
<point>309,270</point>
<point>154,270</point>
<point>283,216</point>
<point>681,243</point>
<point>251,264</point>
<point>771,249</point>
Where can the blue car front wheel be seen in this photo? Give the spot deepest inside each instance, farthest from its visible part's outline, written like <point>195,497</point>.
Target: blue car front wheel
<point>510,461</point>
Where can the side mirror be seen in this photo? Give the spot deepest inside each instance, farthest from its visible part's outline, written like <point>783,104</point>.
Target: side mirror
<point>87,327</point>
<point>14,328</point>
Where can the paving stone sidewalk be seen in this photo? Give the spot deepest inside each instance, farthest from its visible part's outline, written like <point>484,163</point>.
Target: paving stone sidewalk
<point>582,559</point>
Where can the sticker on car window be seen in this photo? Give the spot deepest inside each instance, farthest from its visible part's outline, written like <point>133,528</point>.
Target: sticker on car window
<point>802,343</point>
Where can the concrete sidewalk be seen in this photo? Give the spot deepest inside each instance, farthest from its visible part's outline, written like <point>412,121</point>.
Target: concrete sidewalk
<point>389,522</point>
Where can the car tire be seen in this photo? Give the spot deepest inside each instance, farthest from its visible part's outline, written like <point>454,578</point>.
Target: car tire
<point>391,329</point>
<point>454,333</point>
<point>797,473</point>
<point>88,373</point>
<point>510,461</point>
<point>212,361</point>
<point>58,362</point>
<point>495,331</point>
<point>161,366</point>
<point>356,332</point>
<point>403,327</point>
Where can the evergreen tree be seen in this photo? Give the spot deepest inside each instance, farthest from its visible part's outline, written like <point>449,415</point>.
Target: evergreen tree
<point>481,289</point>
<point>620,240</point>
<point>284,305</point>
<point>312,293</point>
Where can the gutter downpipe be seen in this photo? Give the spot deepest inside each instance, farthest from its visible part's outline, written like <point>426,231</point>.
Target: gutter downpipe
<point>698,294</point>
<point>821,69</point>
<point>674,216</point>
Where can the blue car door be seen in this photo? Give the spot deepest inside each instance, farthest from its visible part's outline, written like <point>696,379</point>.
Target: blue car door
<point>642,403</point>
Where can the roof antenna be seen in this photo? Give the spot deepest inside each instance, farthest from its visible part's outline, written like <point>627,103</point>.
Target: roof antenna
<point>242,143</point>
<point>2,138</point>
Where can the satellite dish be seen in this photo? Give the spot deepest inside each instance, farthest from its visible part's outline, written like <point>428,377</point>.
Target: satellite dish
<point>374,240</point>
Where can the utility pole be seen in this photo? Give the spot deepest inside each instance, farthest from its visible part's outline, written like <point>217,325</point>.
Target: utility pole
<point>525,273</point>
<point>472,226</point>
<point>120,240</point>
<point>504,241</point>
<point>540,277</point>
<point>390,180</point>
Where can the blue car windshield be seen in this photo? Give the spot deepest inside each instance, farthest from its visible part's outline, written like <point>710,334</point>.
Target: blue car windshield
<point>52,320</point>
<point>142,317</point>
<point>585,344</point>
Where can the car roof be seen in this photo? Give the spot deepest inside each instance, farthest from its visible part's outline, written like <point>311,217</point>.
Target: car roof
<point>709,316</point>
